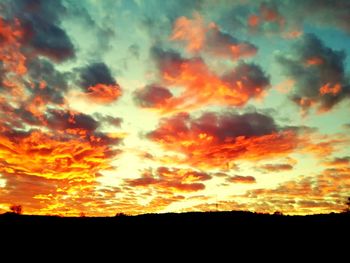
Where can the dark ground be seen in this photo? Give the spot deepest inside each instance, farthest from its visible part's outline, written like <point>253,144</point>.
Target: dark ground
<point>215,222</point>
<point>220,233</point>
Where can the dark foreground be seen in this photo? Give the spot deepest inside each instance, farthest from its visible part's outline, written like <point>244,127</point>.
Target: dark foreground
<point>220,233</point>
<point>210,222</point>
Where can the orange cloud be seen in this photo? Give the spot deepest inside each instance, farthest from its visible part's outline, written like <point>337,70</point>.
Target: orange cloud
<point>328,89</point>
<point>241,179</point>
<point>323,193</point>
<point>173,179</point>
<point>201,86</point>
<point>191,31</point>
<point>210,39</point>
<point>315,61</point>
<point>253,20</point>
<point>344,161</point>
<point>292,34</point>
<point>102,93</point>
<point>213,140</point>
<point>52,157</point>
<point>285,86</point>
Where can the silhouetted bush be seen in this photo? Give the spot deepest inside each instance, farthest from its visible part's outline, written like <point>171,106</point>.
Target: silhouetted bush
<point>347,209</point>
<point>278,213</point>
<point>17,209</point>
<point>120,215</point>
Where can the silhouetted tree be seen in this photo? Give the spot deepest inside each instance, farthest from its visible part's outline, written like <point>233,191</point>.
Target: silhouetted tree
<point>347,209</point>
<point>278,213</point>
<point>120,214</point>
<point>17,209</point>
<point>82,214</point>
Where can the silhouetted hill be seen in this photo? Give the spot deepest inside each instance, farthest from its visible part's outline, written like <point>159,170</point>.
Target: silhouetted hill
<point>209,222</point>
<point>230,233</point>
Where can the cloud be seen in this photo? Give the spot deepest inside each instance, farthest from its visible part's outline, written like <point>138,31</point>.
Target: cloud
<point>152,96</point>
<point>35,153</point>
<point>202,87</point>
<point>174,179</point>
<point>216,139</point>
<point>47,82</point>
<point>70,121</point>
<point>338,161</point>
<point>43,34</point>
<point>280,167</point>
<point>322,193</point>
<point>11,56</point>
<point>191,31</point>
<point>99,85</point>
<point>209,38</point>
<point>284,18</point>
<point>238,179</point>
<point>134,50</point>
<point>318,73</point>
<point>322,13</point>
<point>268,19</point>
<point>48,153</point>
<point>114,121</point>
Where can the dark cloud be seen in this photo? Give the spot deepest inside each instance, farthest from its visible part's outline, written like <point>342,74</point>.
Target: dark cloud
<point>318,72</point>
<point>234,125</point>
<point>280,167</point>
<point>168,61</point>
<point>96,73</point>
<point>63,120</point>
<point>114,121</point>
<point>241,179</point>
<point>47,82</point>
<point>153,96</point>
<point>97,82</point>
<point>221,44</point>
<point>320,12</point>
<point>41,21</point>
<point>250,78</point>
<point>221,126</point>
<point>286,18</point>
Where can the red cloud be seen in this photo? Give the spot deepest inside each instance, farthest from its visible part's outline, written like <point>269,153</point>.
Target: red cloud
<point>216,139</point>
<point>210,39</point>
<point>183,180</point>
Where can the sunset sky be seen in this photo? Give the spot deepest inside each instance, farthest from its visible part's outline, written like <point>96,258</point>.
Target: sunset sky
<point>152,106</point>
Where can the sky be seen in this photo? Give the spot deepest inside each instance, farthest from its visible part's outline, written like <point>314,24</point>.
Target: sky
<point>131,106</point>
